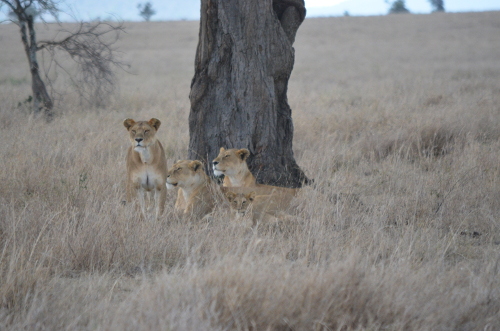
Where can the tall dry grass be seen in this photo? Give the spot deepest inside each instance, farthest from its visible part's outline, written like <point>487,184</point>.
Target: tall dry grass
<point>397,116</point>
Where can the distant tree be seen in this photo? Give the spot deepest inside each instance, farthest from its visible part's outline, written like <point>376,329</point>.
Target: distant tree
<point>398,7</point>
<point>90,47</point>
<point>346,13</point>
<point>146,11</point>
<point>438,5</point>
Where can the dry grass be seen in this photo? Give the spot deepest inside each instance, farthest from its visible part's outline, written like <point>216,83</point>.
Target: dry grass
<point>396,115</point>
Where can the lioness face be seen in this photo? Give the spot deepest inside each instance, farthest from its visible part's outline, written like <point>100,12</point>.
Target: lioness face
<point>230,161</point>
<point>142,133</point>
<point>240,202</point>
<point>185,174</point>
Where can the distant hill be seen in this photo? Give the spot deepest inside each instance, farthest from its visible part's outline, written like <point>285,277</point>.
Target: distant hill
<point>380,7</point>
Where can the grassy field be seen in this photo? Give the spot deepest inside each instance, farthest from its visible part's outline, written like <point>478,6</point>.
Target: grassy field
<point>401,112</point>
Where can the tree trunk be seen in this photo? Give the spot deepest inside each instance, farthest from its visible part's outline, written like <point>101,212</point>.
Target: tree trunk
<point>41,98</point>
<point>238,94</point>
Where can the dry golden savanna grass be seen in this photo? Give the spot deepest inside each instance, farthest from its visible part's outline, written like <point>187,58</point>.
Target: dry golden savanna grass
<point>397,116</point>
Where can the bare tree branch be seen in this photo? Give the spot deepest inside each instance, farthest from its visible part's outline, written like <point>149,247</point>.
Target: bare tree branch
<point>11,6</point>
<point>91,48</point>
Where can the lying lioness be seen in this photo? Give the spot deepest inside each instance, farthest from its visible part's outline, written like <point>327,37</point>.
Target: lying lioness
<point>232,163</point>
<point>197,193</point>
<point>259,208</point>
<point>241,203</point>
<point>146,164</point>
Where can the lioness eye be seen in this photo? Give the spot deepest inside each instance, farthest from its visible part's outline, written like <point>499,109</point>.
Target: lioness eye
<point>227,155</point>
<point>177,169</point>
<point>146,131</point>
<point>133,131</point>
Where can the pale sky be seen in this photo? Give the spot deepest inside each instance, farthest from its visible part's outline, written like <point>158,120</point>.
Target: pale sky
<point>126,10</point>
<point>322,3</point>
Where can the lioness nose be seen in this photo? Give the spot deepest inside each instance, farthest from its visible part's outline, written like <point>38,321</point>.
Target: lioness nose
<point>215,163</point>
<point>139,139</point>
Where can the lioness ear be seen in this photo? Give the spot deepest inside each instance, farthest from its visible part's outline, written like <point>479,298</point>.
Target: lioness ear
<point>251,196</point>
<point>243,153</point>
<point>195,165</point>
<point>230,196</point>
<point>155,123</point>
<point>222,149</point>
<point>128,123</point>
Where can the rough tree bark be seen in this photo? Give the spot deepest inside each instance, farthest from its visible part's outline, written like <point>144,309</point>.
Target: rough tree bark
<point>239,91</point>
<point>41,98</point>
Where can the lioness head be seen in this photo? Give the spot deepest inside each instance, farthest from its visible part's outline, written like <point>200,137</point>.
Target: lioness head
<point>142,133</point>
<point>186,174</point>
<point>230,161</point>
<point>240,202</point>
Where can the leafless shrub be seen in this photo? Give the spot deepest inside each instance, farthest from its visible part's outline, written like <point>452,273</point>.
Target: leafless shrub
<point>92,47</point>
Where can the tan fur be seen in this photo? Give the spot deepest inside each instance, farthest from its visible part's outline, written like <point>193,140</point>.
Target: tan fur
<point>146,164</point>
<point>260,208</point>
<point>232,163</point>
<point>197,194</point>
<point>240,203</point>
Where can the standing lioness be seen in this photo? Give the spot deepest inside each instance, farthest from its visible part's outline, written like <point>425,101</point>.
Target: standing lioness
<point>146,164</point>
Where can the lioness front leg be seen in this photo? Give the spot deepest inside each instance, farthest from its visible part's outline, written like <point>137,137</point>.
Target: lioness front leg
<point>141,194</point>
<point>129,191</point>
<point>180,203</point>
<point>160,199</point>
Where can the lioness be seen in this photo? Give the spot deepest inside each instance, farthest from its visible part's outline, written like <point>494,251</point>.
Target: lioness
<point>260,208</point>
<point>197,193</point>
<point>146,164</point>
<point>232,163</point>
<point>241,203</point>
